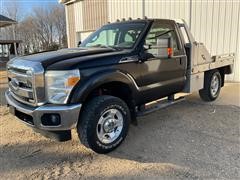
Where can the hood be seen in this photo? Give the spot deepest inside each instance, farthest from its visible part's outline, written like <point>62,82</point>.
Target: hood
<point>68,55</point>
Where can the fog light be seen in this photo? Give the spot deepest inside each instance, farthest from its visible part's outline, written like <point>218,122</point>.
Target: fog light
<point>51,119</point>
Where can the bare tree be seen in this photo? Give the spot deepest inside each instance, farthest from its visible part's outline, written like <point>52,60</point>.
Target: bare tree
<point>13,11</point>
<point>58,12</point>
<point>42,30</point>
<point>28,33</point>
<point>51,25</point>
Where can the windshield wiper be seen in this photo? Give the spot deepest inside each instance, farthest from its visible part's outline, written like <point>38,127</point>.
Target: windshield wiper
<point>105,46</point>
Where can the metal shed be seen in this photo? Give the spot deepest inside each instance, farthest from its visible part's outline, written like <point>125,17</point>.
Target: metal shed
<point>216,23</point>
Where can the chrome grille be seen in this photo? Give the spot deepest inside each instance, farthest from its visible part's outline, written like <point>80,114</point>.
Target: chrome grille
<point>20,84</point>
<point>26,81</point>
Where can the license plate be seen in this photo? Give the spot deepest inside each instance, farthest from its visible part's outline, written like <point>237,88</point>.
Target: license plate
<point>12,110</point>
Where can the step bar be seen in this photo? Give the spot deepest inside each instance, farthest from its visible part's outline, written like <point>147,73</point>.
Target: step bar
<point>159,104</point>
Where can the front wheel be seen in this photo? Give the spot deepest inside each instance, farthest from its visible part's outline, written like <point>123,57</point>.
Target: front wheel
<point>212,86</point>
<point>103,123</point>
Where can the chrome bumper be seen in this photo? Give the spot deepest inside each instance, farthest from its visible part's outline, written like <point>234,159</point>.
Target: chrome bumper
<point>68,114</point>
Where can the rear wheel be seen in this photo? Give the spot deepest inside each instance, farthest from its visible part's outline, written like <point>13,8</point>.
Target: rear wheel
<point>103,123</point>
<point>212,86</point>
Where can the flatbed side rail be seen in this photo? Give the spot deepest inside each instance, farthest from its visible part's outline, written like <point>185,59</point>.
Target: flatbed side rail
<point>223,57</point>
<point>218,61</point>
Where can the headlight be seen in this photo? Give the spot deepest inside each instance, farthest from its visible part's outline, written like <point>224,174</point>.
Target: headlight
<point>59,85</point>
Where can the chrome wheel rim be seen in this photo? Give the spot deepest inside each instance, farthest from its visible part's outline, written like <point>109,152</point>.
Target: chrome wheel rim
<point>109,126</point>
<point>214,86</point>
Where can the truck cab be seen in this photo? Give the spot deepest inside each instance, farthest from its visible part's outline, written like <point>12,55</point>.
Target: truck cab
<point>103,85</point>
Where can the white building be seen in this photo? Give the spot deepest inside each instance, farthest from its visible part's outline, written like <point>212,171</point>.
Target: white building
<point>216,23</point>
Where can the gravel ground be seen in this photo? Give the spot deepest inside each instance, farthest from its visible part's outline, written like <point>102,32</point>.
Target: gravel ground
<point>189,140</point>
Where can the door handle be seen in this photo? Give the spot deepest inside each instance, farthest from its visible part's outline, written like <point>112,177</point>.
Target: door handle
<point>180,58</point>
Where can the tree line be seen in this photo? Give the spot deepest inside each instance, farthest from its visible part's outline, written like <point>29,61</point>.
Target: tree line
<point>44,29</point>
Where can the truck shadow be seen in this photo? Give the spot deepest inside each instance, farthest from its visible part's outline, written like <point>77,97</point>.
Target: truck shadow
<point>41,154</point>
<point>188,134</point>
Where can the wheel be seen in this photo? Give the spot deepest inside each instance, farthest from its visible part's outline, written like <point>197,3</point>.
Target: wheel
<point>212,86</point>
<point>103,123</point>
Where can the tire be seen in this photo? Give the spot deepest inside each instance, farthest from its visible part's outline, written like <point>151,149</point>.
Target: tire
<point>208,93</point>
<point>97,118</point>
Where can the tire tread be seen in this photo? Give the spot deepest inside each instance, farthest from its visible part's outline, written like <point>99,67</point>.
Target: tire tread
<point>205,93</point>
<point>87,115</point>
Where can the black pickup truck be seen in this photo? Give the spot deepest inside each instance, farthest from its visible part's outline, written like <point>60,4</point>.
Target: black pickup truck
<point>103,85</point>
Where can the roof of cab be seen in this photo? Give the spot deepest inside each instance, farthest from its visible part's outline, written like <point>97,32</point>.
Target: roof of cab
<point>146,20</point>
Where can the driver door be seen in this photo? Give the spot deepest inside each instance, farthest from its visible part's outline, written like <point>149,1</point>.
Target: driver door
<point>162,76</point>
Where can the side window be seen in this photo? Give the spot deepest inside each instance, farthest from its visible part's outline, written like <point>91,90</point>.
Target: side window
<point>132,35</point>
<point>157,32</point>
<point>129,37</point>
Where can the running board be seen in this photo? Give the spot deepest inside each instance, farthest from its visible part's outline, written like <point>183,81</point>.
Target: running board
<point>158,105</point>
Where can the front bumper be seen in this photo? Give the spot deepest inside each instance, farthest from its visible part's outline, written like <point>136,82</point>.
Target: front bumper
<point>32,116</point>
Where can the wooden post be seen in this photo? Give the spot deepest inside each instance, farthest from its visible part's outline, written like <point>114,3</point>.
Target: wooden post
<point>14,44</point>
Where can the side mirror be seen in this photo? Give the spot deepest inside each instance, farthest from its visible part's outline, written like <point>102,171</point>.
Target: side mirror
<point>162,49</point>
<point>79,43</point>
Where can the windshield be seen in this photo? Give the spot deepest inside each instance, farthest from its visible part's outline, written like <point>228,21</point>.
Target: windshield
<point>121,35</point>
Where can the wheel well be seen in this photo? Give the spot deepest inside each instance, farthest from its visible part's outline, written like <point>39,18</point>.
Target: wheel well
<point>117,89</point>
<point>222,72</point>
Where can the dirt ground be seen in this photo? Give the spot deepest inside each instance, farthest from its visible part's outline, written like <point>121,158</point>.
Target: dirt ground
<point>189,140</point>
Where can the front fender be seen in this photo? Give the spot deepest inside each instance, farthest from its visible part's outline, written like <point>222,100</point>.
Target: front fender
<point>84,88</point>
